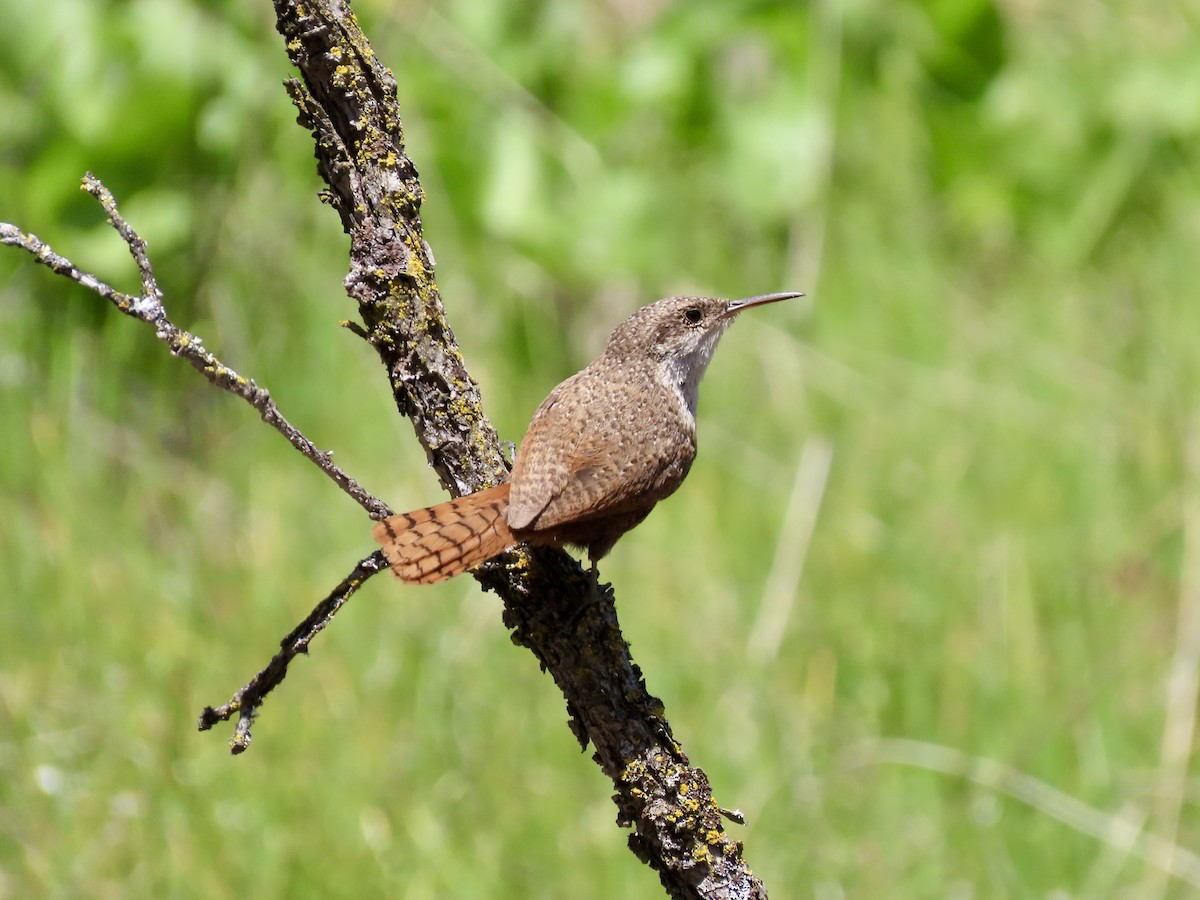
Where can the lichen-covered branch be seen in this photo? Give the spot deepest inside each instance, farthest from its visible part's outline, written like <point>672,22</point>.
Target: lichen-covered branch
<point>347,98</point>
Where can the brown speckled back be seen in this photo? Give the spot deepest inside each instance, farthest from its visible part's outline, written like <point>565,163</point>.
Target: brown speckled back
<point>601,451</point>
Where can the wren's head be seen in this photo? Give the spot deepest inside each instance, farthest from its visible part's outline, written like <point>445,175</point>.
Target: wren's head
<point>677,336</point>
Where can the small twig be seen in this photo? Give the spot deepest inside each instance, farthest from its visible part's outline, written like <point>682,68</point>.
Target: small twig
<point>148,307</point>
<point>247,700</point>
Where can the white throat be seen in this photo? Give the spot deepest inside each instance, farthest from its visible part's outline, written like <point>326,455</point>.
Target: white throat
<point>682,374</point>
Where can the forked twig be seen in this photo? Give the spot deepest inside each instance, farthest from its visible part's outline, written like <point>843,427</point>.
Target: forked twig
<point>148,307</point>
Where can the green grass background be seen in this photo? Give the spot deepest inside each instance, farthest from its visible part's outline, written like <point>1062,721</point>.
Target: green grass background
<point>928,608</point>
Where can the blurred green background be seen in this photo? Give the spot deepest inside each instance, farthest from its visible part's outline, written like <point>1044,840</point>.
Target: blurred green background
<point>927,610</point>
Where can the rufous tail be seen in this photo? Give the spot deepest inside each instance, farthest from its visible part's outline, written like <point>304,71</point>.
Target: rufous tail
<point>442,541</point>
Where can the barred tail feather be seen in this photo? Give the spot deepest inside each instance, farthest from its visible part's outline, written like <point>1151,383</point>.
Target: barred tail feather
<point>442,541</point>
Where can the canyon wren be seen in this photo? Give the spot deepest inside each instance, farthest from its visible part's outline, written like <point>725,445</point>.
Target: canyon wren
<point>602,449</point>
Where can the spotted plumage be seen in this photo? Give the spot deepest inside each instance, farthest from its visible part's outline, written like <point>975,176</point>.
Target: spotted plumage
<point>601,451</point>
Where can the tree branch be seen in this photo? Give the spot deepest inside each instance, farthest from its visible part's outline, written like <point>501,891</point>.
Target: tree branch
<point>149,308</point>
<point>347,99</point>
<point>247,700</point>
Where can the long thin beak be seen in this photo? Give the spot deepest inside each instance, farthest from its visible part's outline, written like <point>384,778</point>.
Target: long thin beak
<point>736,306</point>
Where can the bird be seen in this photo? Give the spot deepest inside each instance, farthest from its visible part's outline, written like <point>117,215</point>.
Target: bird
<point>601,451</point>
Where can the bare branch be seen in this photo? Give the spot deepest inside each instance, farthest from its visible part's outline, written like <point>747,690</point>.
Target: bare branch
<point>148,307</point>
<point>247,700</point>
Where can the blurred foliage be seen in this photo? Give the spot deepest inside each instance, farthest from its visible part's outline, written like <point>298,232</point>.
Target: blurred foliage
<point>994,209</point>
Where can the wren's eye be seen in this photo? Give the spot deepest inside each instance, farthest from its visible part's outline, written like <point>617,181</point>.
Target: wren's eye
<point>693,314</point>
